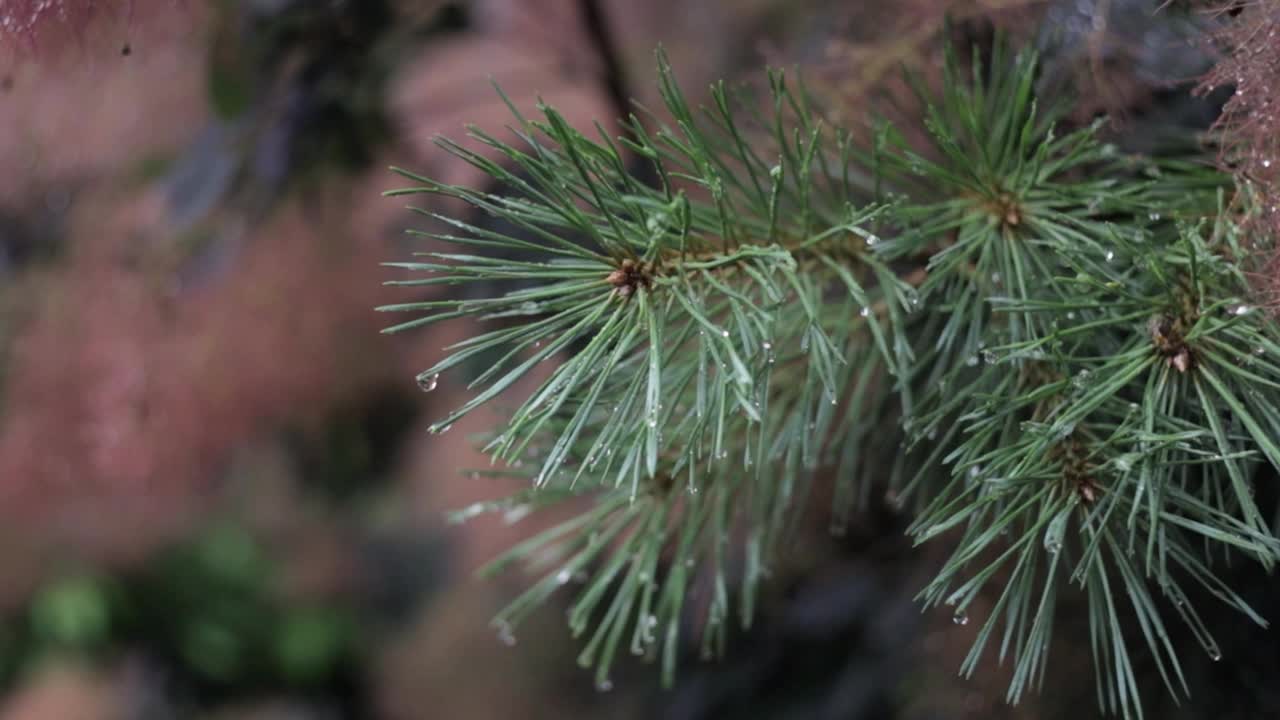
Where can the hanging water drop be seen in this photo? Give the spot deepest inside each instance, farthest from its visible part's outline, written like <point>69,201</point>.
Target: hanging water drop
<point>505,636</point>
<point>1110,256</point>
<point>960,617</point>
<point>604,685</point>
<point>564,576</point>
<point>646,632</point>
<point>428,382</point>
<point>1054,534</point>
<point>1125,462</point>
<point>864,312</point>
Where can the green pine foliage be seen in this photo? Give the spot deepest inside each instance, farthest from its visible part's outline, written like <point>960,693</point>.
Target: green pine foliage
<point>1041,347</point>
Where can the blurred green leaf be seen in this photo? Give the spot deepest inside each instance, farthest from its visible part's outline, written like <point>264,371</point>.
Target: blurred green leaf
<point>212,648</point>
<point>229,553</point>
<point>72,611</point>
<point>310,642</point>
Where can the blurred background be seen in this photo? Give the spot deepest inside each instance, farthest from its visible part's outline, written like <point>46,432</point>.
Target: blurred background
<point>218,498</point>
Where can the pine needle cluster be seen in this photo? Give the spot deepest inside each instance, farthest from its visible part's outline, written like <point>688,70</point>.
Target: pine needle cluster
<point>1042,348</point>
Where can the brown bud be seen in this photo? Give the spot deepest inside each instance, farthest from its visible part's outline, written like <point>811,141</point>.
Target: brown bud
<point>1087,492</point>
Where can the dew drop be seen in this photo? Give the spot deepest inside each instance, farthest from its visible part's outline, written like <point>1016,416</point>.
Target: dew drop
<point>505,636</point>
<point>1110,256</point>
<point>604,685</point>
<point>427,383</point>
<point>646,631</point>
<point>564,576</point>
<point>516,513</point>
<point>1124,463</point>
<point>1242,310</point>
<point>724,333</point>
<point>864,311</point>
<point>960,617</point>
<point>1053,536</point>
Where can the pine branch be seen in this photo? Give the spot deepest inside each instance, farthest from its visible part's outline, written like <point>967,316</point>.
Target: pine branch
<point>1043,346</point>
